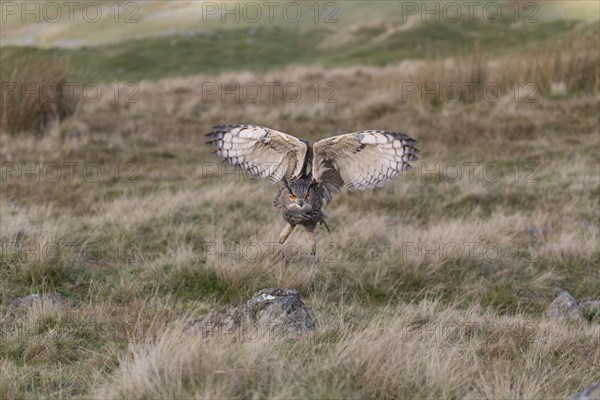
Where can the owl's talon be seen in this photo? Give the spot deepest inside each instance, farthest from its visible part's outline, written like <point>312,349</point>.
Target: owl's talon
<point>286,233</point>
<point>310,239</point>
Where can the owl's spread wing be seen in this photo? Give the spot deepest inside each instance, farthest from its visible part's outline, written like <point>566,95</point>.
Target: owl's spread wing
<point>262,152</point>
<point>361,160</point>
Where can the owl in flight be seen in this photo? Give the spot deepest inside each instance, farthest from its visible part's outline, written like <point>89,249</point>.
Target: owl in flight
<point>311,175</point>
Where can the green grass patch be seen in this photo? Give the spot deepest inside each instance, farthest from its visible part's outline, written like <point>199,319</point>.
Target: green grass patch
<point>266,48</point>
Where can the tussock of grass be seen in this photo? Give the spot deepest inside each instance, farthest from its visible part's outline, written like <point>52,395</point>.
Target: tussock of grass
<point>34,92</point>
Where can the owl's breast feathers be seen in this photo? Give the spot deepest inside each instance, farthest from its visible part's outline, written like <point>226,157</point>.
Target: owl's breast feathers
<point>302,188</point>
<point>299,217</point>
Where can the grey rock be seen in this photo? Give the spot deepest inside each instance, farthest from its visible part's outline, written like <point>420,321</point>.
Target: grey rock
<point>590,393</point>
<point>272,314</point>
<point>564,307</point>
<point>53,299</point>
<point>590,308</point>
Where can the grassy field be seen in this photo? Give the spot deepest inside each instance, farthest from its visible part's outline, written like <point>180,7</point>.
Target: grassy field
<point>96,23</point>
<point>434,286</point>
<point>179,41</point>
<point>252,48</point>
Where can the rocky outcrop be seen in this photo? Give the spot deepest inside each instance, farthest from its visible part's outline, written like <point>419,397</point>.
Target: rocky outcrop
<point>272,314</point>
<point>565,307</point>
<point>591,393</point>
<point>49,299</point>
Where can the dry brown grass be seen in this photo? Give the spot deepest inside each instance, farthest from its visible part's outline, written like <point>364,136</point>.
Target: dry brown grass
<point>556,68</point>
<point>35,95</point>
<point>424,350</point>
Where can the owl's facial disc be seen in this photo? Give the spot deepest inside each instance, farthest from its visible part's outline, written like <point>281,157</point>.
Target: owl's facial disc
<point>298,203</point>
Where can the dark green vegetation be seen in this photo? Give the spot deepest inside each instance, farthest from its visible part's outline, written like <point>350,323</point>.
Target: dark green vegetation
<point>255,49</point>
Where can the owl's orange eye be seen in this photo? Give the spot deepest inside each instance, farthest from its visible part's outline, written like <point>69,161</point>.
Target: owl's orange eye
<point>292,197</point>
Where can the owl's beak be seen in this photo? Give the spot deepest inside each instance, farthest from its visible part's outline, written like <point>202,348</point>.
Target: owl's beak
<point>300,202</point>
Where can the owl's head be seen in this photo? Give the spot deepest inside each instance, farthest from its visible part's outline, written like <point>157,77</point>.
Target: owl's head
<point>301,194</point>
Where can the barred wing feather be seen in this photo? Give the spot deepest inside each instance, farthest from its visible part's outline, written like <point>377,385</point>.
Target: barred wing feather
<point>262,152</point>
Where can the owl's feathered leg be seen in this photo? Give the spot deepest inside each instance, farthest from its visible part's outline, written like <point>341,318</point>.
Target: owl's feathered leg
<point>286,232</point>
<point>310,238</point>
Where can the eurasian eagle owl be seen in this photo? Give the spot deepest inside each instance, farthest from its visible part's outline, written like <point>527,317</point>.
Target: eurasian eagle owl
<point>313,174</point>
